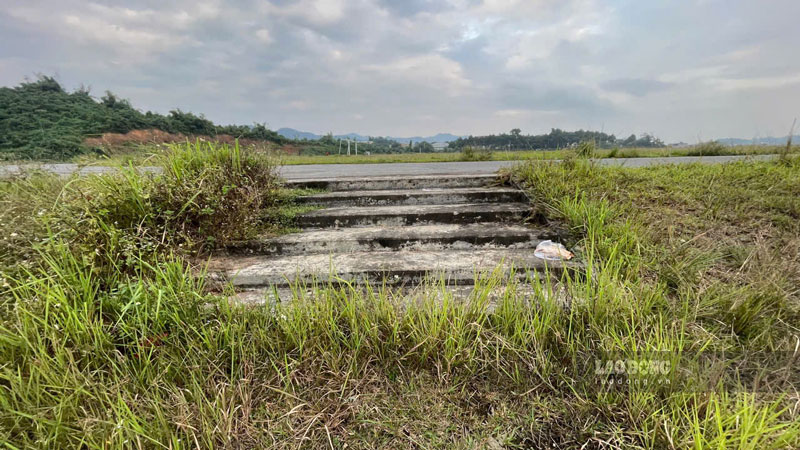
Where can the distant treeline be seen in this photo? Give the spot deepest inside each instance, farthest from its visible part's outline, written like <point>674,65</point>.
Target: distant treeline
<point>557,138</point>
<point>41,120</point>
<point>330,145</point>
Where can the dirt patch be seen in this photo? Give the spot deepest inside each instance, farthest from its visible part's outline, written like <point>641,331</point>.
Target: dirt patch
<point>116,141</point>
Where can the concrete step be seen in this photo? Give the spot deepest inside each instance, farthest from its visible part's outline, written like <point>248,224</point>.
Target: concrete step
<point>411,215</point>
<point>455,267</point>
<point>422,237</point>
<point>395,182</point>
<point>425,196</point>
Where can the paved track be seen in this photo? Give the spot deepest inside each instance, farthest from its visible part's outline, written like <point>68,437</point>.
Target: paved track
<point>301,172</point>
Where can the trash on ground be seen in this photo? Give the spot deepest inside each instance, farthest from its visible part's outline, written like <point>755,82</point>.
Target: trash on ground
<point>552,251</point>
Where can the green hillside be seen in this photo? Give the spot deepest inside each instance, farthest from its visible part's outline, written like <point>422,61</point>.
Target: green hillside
<point>41,120</point>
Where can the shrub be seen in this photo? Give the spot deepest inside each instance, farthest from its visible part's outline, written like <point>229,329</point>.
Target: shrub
<point>215,191</point>
<point>472,154</point>
<point>710,148</point>
<point>207,195</point>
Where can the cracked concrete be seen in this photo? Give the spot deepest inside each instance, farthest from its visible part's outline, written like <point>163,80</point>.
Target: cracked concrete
<point>379,238</point>
<point>417,214</point>
<point>421,196</point>
<point>456,267</point>
<point>395,231</point>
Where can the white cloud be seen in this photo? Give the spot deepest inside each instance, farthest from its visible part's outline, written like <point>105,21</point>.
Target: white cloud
<point>264,36</point>
<point>741,84</point>
<point>512,113</point>
<point>317,12</point>
<point>430,71</point>
<point>418,67</point>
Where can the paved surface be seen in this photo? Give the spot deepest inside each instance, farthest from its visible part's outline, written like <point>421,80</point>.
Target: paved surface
<point>400,169</point>
<point>482,167</point>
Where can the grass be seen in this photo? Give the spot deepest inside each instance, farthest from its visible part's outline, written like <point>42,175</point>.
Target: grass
<point>687,259</point>
<point>520,155</point>
<point>144,155</point>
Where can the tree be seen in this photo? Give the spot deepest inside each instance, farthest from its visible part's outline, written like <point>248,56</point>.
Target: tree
<point>41,120</point>
<point>327,139</point>
<point>556,138</point>
<point>424,147</point>
<point>629,141</point>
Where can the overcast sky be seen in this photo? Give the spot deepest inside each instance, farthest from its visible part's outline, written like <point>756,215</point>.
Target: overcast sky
<point>683,70</point>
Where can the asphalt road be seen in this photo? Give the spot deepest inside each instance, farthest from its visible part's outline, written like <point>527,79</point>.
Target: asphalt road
<point>314,171</point>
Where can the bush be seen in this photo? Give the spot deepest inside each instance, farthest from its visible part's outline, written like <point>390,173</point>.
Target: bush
<point>216,192</point>
<point>710,148</point>
<point>472,154</point>
<point>207,195</point>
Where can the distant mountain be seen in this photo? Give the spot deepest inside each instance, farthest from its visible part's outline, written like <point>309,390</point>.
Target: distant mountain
<point>441,137</point>
<point>291,133</point>
<point>759,141</point>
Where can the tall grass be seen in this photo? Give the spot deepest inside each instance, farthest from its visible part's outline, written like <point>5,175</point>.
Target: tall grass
<point>147,357</point>
<point>586,149</point>
<point>710,148</point>
<point>155,362</point>
<point>469,153</point>
<point>206,196</point>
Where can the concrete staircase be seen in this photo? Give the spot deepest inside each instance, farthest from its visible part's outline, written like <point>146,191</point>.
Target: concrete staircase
<point>395,231</point>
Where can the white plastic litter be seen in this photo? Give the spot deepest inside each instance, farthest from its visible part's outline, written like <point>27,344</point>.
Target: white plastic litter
<point>552,251</point>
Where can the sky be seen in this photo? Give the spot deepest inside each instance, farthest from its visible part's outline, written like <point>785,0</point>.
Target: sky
<point>689,70</point>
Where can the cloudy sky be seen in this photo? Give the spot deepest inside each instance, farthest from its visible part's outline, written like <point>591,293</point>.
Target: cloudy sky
<point>683,70</point>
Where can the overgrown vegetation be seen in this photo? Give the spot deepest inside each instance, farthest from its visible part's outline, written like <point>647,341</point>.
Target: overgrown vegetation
<point>97,353</point>
<point>205,196</point>
<point>475,154</point>
<point>710,148</point>
<point>586,149</point>
<point>41,120</point>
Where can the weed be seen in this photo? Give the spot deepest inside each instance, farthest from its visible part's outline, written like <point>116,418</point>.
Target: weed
<point>585,149</point>
<point>710,148</point>
<point>784,153</point>
<point>475,154</point>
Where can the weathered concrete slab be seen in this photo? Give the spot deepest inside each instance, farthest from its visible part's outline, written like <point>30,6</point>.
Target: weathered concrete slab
<point>424,196</point>
<point>395,231</point>
<point>455,267</point>
<point>367,183</point>
<point>422,237</point>
<point>411,215</point>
